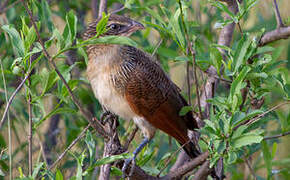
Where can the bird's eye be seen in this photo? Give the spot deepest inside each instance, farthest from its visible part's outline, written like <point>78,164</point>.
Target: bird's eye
<point>114,27</point>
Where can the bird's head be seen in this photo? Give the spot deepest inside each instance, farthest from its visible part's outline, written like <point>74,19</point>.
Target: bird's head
<point>116,26</point>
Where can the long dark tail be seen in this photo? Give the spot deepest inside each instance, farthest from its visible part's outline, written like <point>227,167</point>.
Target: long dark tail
<point>191,150</point>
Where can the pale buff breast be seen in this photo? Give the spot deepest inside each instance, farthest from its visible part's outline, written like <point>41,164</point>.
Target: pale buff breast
<point>98,73</point>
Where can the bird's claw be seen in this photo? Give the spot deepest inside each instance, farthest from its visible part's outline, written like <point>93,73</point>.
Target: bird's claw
<point>126,165</point>
<point>106,116</point>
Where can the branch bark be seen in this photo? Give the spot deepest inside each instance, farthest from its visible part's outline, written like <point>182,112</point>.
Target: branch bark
<point>277,15</point>
<point>277,34</point>
<point>181,171</point>
<point>102,7</point>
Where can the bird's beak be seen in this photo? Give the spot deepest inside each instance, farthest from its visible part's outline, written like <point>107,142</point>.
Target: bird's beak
<point>136,26</point>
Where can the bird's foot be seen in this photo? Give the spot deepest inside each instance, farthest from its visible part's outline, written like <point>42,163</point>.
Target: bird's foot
<point>106,116</point>
<point>126,165</point>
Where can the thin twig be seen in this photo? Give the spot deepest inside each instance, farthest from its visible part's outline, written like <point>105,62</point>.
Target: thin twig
<point>266,112</point>
<point>240,28</point>
<point>196,80</point>
<point>277,15</point>
<point>118,10</point>
<point>29,131</point>
<point>250,168</point>
<point>102,7</point>
<point>277,135</point>
<point>9,123</point>
<point>96,124</point>
<point>171,157</point>
<point>94,5</point>
<point>12,97</point>
<point>187,167</point>
<point>156,47</point>
<point>81,135</point>
<point>131,137</point>
<point>192,53</point>
<point>188,83</point>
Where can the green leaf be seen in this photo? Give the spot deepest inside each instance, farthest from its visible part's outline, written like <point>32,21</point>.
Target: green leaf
<point>1,172</point>
<point>82,52</point>
<point>248,116</point>
<point>16,40</point>
<point>245,140</point>
<point>237,133</point>
<point>91,145</point>
<point>181,58</point>
<point>46,15</point>
<point>80,161</point>
<point>257,75</point>
<point>71,21</point>
<point>116,171</point>
<point>155,15</point>
<point>58,175</point>
<point>237,83</point>
<point>214,159</point>
<point>264,49</point>
<point>174,23</point>
<point>184,110</point>
<point>110,40</point>
<point>221,147</point>
<point>287,90</point>
<point>37,169</point>
<point>274,150</point>
<point>232,157</point>
<point>240,53</point>
<point>49,80</point>
<point>102,25</point>
<point>111,159</point>
<point>267,158</point>
<point>210,124</point>
<point>225,9</point>
<point>216,58</point>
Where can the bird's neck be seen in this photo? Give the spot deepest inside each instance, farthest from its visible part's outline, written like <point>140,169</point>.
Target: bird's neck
<point>102,52</point>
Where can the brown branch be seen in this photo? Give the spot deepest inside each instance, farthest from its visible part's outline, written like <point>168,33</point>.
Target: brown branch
<point>202,172</point>
<point>250,168</point>
<point>277,34</point>
<point>277,135</point>
<point>95,124</point>
<point>29,138</point>
<point>225,38</point>
<point>102,7</point>
<point>12,97</point>
<point>181,159</point>
<point>277,15</point>
<point>9,123</point>
<point>94,5</point>
<point>251,121</point>
<point>156,47</point>
<point>81,135</point>
<point>118,10</point>
<point>131,137</point>
<point>196,80</point>
<point>170,158</point>
<point>187,167</point>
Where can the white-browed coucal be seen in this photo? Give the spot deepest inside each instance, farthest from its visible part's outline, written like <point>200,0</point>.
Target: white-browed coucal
<point>129,83</point>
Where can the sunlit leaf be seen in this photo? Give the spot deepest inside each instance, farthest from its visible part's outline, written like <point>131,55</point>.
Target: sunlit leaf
<point>16,40</point>
<point>246,140</point>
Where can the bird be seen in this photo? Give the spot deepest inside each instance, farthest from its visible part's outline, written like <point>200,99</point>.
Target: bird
<point>128,82</point>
